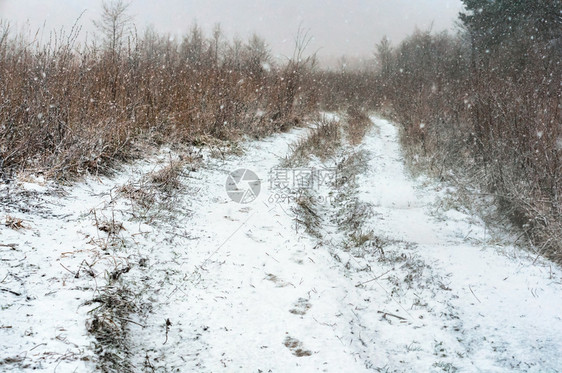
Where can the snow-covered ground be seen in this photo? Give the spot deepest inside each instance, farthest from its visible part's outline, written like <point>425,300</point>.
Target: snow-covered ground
<point>220,286</point>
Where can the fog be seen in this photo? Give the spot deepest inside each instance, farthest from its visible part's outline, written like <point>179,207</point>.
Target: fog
<point>338,27</point>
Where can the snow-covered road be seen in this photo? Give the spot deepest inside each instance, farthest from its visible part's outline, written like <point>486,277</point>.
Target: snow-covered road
<point>245,288</point>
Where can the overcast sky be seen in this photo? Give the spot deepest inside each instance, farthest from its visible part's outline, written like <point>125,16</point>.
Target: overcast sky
<point>339,27</point>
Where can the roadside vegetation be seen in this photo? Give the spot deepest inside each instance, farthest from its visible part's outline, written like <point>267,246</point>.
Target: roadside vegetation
<point>69,108</point>
<point>483,108</point>
<point>480,109</point>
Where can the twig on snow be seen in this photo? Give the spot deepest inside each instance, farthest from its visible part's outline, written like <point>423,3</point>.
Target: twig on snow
<point>168,324</point>
<point>384,314</point>
<point>11,291</point>
<point>474,294</point>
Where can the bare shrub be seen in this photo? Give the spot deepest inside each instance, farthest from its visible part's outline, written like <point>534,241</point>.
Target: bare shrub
<point>68,109</point>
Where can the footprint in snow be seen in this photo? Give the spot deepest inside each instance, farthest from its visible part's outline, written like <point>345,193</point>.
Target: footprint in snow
<point>296,347</point>
<point>278,282</point>
<point>301,307</point>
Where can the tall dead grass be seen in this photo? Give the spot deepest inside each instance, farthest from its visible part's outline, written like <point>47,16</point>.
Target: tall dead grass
<point>67,108</point>
<point>322,142</point>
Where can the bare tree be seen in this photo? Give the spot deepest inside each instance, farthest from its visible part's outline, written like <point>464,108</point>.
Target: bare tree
<point>113,25</point>
<point>302,42</point>
<point>216,42</point>
<point>233,54</point>
<point>4,31</point>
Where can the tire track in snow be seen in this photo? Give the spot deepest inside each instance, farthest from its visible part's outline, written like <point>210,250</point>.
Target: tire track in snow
<point>250,293</point>
<point>245,288</point>
<point>475,299</point>
<point>275,298</point>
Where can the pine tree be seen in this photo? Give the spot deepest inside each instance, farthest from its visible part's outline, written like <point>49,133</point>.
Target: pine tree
<point>383,55</point>
<point>494,24</point>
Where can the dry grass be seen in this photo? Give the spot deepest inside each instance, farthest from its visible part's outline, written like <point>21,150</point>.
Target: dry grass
<point>116,305</point>
<point>13,222</point>
<point>306,214</point>
<point>68,109</point>
<point>357,124</point>
<point>322,142</point>
<point>109,325</point>
<point>142,196</point>
<point>167,178</point>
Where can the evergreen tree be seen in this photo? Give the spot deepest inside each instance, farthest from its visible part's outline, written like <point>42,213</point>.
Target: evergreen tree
<point>494,24</point>
<point>383,55</point>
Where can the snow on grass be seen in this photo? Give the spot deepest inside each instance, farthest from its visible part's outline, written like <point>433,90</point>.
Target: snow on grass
<point>54,266</point>
<point>386,282</point>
